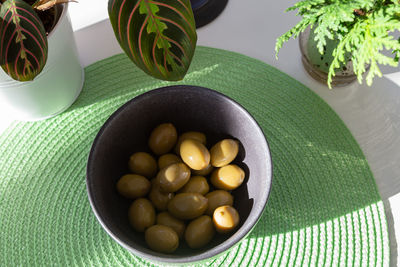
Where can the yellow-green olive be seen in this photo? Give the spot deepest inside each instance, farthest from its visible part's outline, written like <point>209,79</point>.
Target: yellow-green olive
<point>141,214</point>
<point>224,152</point>
<point>228,177</point>
<point>225,219</point>
<point>199,232</point>
<point>161,238</point>
<point>196,184</point>
<point>163,138</point>
<point>187,206</point>
<point>218,198</point>
<point>164,218</point>
<point>203,172</point>
<point>190,135</point>
<point>159,199</point>
<point>143,163</point>
<point>167,159</point>
<point>173,177</point>
<point>194,154</point>
<point>133,186</point>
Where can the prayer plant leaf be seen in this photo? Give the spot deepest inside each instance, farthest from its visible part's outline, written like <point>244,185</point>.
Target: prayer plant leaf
<point>159,36</point>
<point>23,46</point>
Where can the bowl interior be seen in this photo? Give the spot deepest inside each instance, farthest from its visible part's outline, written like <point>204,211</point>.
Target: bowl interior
<point>189,108</point>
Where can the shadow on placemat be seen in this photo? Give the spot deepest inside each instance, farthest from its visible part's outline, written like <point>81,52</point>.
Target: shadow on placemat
<point>320,173</point>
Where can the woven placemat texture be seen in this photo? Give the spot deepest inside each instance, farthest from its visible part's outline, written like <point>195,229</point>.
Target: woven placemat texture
<point>324,208</point>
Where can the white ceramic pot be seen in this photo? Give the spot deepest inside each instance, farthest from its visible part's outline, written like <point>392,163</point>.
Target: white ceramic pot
<point>55,88</point>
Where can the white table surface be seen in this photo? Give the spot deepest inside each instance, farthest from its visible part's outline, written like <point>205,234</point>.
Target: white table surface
<point>251,27</point>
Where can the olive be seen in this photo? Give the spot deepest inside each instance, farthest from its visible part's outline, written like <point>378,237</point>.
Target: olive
<point>199,232</point>
<point>173,177</point>
<point>190,135</point>
<point>164,218</point>
<point>159,199</point>
<point>225,219</point>
<point>167,159</point>
<point>163,138</point>
<point>196,184</point>
<point>228,177</point>
<point>187,206</point>
<point>143,163</point>
<point>161,238</point>
<point>194,154</point>
<point>216,199</point>
<point>224,152</point>
<point>203,172</point>
<point>141,214</point>
<point>133,186</point>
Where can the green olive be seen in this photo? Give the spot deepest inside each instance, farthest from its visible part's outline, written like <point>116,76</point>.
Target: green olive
<point>190,135</point>
<point>224,152</point>
<point>216,199</point>
<point>199,232</point>
<point>225,219</point>
<point>159,199</point>
<point>133,186</point>
<point>194,154</point>
<point>161,238</point>
<point>143,163</point>
<point>196,184</point>
<point>228,177</point>
<point>163,138</point>
<point>167,159</point>
<point>203,172</point>
<point>187,206</point>
<point>173,177</point>
<point>164,218</point>
<point>141,214</point>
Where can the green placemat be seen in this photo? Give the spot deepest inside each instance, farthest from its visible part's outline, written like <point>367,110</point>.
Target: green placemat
<point>324,207</point>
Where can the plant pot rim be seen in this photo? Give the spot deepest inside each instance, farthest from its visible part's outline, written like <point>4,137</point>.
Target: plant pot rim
<point>59,18</point>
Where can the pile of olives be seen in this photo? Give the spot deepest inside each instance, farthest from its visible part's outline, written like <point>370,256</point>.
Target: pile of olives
<point>176,187</point>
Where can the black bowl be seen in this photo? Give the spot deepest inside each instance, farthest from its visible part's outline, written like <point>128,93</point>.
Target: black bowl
<point>189,108</point>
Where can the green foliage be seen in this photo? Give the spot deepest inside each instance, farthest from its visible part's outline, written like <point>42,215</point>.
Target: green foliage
<point>23,39</point>
<point>159,36</point>
<point>23,49</point>
<point>363,27</point>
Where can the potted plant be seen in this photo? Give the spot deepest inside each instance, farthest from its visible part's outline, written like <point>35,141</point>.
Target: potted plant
<point>41,73</point>
<point>346,34</point>
<point>158,36</point>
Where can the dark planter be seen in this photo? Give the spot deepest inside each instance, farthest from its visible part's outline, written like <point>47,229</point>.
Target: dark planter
<point>206,11</point>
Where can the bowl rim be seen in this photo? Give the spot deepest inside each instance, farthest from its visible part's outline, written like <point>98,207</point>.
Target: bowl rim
<point>232,241</point>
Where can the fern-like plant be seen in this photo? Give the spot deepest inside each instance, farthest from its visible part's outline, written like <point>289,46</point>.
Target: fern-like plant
<point>159,36</point>
<point>363,29</point>
<point>23,38</point>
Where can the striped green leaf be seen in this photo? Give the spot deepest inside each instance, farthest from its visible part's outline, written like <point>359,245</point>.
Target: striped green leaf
<point>159,36</point>
<point>23,46</point>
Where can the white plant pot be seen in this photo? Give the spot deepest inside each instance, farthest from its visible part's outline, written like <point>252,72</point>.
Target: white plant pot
<point>55,88</point>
